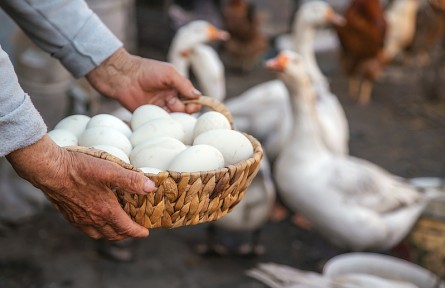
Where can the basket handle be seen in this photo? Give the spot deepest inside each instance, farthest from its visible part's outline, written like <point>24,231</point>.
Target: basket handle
<point>214,104</point>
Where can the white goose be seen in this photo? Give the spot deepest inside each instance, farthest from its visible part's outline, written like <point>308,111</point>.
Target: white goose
<point>310,16</point>
<point>188,51</point>
<point>250,109</point>
<point>353,203</point>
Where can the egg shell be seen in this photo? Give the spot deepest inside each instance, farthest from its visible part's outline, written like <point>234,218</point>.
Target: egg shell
<point>160,127</point>
<point>197,158</point>
<point>209,121</point>
<point>150,170</point>
<point>233,145</point>
<point>188,124</point>
<point>74,123</point>
<point>157,153</point>
<point>105,136</point>
<point>63,137</point>
<point>108,120</point>
<point>146,113</point>
<point>113,151</point>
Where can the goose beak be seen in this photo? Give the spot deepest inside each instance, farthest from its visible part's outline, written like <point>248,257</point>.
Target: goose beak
<point>217,34</point>
<point>335,18</point>
<point>277,64</point>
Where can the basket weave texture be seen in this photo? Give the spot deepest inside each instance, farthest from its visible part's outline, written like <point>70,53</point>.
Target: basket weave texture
<point>188,198</point>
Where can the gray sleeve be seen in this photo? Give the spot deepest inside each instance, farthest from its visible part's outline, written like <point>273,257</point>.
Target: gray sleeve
<point>20,123</point>
<point>67,29</point>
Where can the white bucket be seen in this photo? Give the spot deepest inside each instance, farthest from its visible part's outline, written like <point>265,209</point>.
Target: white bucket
<point>382,266</point>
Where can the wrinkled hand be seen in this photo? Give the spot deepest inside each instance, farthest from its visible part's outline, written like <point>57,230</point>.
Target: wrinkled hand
<point>80,186</point>
<point>134,81</point>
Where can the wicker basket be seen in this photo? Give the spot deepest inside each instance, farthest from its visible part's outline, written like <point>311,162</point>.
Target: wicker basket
<point>188,198</point>
<point>427,238</point>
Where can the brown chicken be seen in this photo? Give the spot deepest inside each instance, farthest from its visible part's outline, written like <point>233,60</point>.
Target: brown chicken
<point>362,40</point>
<point>247,43</point>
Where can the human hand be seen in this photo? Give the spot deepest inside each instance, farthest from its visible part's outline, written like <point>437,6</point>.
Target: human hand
<point>134,81</point>
<point>81,187</point>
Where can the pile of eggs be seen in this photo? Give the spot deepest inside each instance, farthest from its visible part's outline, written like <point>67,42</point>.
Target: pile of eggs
<point>156,140</point>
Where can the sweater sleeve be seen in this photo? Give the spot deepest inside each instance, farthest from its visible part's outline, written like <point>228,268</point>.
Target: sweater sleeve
<point>67,29</point>
<point>20,123</point>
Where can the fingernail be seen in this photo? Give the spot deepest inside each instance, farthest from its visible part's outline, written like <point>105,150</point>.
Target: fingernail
<point>149,186</point>
<point>196,92</point>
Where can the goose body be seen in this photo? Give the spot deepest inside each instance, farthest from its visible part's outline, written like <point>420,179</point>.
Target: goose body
<point>255,208</point>
<point>255,112</point>
<point>209,71</point>
<point>352,202</point>
<point>334,125</point>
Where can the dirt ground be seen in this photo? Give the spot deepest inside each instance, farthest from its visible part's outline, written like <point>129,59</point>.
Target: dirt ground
<point>399,130</point>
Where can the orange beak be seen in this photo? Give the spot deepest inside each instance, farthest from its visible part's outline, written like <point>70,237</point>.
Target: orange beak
<point>277,64</point>
<point>216,34</point>
<point>334,18</point>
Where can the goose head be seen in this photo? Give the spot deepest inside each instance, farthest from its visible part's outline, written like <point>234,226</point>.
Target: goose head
<point>291,68</point>
<point>195,33</point>
<point>319,13</point>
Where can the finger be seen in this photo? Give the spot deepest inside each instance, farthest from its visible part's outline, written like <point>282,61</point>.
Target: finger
<point>183,85</point>
<point>123,225</point>
<point>130,182</point>
<point>110,233</point>
<point>90,231</point>
<point>175,105</point>
<point>192,108</point>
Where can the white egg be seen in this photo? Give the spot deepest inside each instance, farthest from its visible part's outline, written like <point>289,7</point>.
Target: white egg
<point>209,121</point>
<point>147,113</point>
<point>63,137</point>
<point>150,170</point>
<point>105,136</point>
<point>107,120</point>
<point>74,123</point>
<point>113,151</point>
<point>160,127</point>
<point>234,145</point>
<point>197,158</point>
<point>188,124</point>
<point>156,153</point>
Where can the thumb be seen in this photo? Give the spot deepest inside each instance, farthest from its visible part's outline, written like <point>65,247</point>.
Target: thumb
<point>184,86</point>
<point>132,182</point>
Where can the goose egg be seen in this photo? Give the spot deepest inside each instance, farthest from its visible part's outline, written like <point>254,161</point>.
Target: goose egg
<point>101,135</point>
<point>150,170</point>
<point>116,152</point>
<point>108,120</point>
<point>209,121</point>
<point>188,124</point>
<point>145,113</point>
<point>160,127</point>
<point>197,158</point>
<point>63,137</point>
<point>157,153</point>
<point>234,145</point>
<point>74,123</point>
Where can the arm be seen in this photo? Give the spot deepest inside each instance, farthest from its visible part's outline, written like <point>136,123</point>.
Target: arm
<point>72,33</point>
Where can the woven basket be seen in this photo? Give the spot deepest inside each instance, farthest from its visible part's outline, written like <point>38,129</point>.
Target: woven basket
<point>427,238</point>
<point>188,198</point>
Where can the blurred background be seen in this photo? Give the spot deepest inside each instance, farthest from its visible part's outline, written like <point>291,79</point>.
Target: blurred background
<point>401,128</point>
